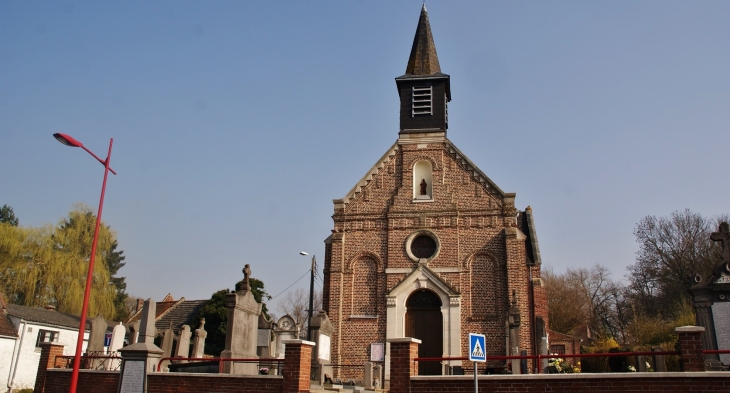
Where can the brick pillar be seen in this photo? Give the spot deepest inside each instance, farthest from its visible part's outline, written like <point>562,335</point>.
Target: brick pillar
<point>690,347</point>
<point>402,365</point>
<point>49,351</point>
<point>297,366</point>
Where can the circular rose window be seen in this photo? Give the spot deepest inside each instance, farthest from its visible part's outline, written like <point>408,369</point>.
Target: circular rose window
<point>422,245</point>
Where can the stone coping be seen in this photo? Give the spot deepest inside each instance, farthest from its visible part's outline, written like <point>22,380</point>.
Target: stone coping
<point>683,329</point>
<point>204,375</point>
<point>403,340</point>
<point>503,377</point>
<point>63,370</point>
<point>303,342</point>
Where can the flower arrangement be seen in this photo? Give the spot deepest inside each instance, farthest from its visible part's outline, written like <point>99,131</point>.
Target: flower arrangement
<point>560,366</point>
<point>264,371</point>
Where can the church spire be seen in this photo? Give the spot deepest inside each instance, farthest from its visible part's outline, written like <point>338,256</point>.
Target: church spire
<point>423,59</point>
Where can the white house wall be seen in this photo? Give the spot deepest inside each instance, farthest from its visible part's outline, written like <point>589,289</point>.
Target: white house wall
<point>23,361</point>
<point>7,347</point>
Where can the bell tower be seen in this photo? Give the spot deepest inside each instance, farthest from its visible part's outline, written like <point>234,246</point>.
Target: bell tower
<point>424,90</point>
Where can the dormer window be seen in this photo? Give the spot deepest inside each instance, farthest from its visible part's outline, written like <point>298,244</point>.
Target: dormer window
<point>421,102</point>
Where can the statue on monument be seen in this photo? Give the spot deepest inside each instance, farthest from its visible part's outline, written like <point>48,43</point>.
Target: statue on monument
<point>423,186</point>
<point>722,269</point>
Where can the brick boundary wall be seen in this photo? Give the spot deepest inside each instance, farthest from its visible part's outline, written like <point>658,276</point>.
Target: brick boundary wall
<point>297,368</point>
<point>404,378</point>
<point>49,351</point>
<point>58,380</point>
<point>402,365</point>
<point>709,382</point>
<point>690,346</point>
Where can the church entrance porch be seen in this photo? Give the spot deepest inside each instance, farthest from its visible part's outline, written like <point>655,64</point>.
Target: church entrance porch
<point>423,306</point>
<point>424,322</point>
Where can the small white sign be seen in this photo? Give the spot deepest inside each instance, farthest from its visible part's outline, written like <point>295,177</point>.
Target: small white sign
<point>377,352</point>
<point>324,347</point>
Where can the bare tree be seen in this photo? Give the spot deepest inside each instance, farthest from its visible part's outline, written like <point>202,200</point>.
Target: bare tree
<point>296,304</point>
<point>671,250</point>
<point>587,297</point>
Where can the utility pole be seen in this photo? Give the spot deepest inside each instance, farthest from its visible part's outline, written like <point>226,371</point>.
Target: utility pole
<point>311,298</point>
<point>313,272</point>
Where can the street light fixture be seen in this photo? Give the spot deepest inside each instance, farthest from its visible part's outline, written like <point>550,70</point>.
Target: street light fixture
<point>313,271</point>
<point>69,141</point>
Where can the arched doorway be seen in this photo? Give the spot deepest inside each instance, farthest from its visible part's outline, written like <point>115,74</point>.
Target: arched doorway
<point>425,322</point>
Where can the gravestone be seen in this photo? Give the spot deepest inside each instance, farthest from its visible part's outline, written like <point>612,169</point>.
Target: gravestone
<point>285,329</point>
<point>199,342</point>
<point>183,344</point>
<point>263,341</point>
<point>242,328</point>
<point>145,350</point>
<point>168,336</point>
<point>322,330</point>
<point>147,329</point>
<point>118,334</point>
<point>133,332</point>
<point>96,341</point>
<point>711,302</point>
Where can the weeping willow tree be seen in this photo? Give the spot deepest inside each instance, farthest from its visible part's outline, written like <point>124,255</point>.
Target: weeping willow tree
<point>48,265</point>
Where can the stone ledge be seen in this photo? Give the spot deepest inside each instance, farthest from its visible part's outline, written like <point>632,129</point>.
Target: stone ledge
<point>202,375</point>
<point>303,342</point>
<point>707,374</point>
<point>403,340</point>
<point>63,370</point>
<point>689,329</point>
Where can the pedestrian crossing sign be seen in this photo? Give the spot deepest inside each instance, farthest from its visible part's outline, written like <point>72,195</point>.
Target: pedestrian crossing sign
<point>477,348</point>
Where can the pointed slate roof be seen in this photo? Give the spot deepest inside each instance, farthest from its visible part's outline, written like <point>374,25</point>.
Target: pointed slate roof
<point>423,59</point>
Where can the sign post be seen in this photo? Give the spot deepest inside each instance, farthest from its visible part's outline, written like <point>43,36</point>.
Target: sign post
<point>477,353</point>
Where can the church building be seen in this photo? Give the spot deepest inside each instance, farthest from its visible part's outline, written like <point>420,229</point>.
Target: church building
<point>426,245</point>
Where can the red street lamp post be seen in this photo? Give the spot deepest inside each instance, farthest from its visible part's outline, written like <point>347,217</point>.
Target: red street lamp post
<point>69,141</point>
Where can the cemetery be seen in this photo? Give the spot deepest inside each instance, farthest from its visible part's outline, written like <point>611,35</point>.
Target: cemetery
<point>295,365</point>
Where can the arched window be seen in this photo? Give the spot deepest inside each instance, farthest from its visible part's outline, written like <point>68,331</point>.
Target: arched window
<point>422,180</point>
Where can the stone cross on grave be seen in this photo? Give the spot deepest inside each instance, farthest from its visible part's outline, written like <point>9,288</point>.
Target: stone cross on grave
<point>723,236</point>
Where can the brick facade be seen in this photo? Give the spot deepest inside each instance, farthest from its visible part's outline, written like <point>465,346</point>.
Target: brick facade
<point>482,255</point>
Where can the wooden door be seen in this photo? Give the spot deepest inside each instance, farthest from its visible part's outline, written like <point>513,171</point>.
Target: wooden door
<point>425,322</point>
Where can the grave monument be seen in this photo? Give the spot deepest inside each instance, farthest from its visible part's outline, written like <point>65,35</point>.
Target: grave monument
<point>242,328</point>
<point>711,302</point>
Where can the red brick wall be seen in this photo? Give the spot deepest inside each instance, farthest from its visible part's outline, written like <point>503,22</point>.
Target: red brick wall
<point>402,365</point>
<point>573,384</point>
<point>690,346</point>
<point>196,383</point>
<point>297,368</point>
<point>90,381</point>
<point>49,354</point>
<point>58,381</point>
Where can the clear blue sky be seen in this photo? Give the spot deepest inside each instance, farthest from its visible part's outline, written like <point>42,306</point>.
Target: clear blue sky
<point>236,123</point>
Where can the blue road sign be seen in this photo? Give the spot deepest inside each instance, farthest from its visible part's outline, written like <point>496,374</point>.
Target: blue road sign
<point>477,348</point>
<point>108,339</point>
